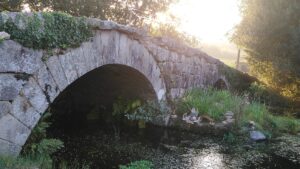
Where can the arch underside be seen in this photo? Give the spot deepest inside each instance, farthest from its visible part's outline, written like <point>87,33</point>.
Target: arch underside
<point>58,72</point>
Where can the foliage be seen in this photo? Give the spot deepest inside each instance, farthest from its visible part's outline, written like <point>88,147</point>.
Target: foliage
<point>38,147</point>
<point>122,107</point>
<point>46,30</point>
<point>229,138</point>
<point>170,30</point>
<point>211,102</point>
<point>267,122</point>
<point>269,33</point>
<point>143,164</point>
<point>10,5</point>
<point>125,12</point>
<point>8,162</point>
<point>266,95</point>
<point>149,111</point>
<point>238,81</point>
<point>214,103</point>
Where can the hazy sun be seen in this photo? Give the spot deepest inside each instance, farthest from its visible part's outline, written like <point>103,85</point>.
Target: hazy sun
<point>209,20</point>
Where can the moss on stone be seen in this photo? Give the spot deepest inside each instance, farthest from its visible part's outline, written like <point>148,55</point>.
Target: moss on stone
<point>45,30</point>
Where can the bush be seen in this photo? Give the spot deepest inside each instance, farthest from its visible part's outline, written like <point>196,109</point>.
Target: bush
<point>149,111</point>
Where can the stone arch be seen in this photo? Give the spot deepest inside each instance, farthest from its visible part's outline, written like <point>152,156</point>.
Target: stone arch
<point>221,84</point>
<point>59,71</point>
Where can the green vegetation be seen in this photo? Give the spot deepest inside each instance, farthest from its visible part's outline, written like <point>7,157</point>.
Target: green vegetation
<point>143,164</point>
<point>124,12</point>
<point>149,111</point>
<point>37,151</point>
<point>215,103</point>
<point>210,102</point>
<point>269,34</point>
<point>46,30</point>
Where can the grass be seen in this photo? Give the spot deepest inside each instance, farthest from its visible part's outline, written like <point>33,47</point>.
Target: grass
<point>8,162</point>
<point>210,102</point>
<point>215,103</point>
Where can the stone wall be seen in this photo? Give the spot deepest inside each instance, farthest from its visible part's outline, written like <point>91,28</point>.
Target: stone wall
<point>31,79</point>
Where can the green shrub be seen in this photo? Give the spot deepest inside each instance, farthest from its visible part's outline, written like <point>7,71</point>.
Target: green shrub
<point>46,30</point>
<point>143,164</point>
<point>148,111</point>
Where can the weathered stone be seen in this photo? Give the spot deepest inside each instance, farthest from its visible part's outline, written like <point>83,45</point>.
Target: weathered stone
<point>47,83</point>
<point>4,108</point>
<point>124,47</point>
<point>79,61</point>
<point>35,95</point>
<point>57,72</point>
<point>110,43</point>
<point>97,45</point>
<point>229,113</point>
<point>13,130</point>
<point>89,55</point>
<point>4,36</point>
<point>170,67</point>
<point>23,111</point>
<point>9,86</point>
<point>8,148</point>
<point>257,136</point>
<point>67,63</point>
<point>15,58</point>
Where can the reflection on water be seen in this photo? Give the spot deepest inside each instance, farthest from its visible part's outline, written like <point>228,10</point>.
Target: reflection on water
<point>167,149</point>
<point>208,158</point>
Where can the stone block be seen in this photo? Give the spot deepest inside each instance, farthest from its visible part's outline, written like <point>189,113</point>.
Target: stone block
<point>4,108</point>
<point>67,63</point>
<point>35,95</point>
<point>8,148</point>
<point>79,61</point>
<point>24,112</point>
<point>15,58</point>
<point>47,83</point>
<point>57,72</point>
<point>13,130</point>
<point>89,55</point>
<point>9,86</point>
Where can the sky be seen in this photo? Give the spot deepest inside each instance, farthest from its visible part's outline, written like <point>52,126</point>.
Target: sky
<point>209,20</point>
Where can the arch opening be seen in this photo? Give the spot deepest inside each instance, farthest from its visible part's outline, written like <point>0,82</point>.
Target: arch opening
<point>220,85</point>
<point>91,97</point>
<point>84,109</point>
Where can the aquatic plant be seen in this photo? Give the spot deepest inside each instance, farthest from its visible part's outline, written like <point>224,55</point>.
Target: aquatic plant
<point>143,164</point>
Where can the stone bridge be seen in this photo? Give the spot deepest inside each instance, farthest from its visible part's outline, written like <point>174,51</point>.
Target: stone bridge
<point>30,82</point>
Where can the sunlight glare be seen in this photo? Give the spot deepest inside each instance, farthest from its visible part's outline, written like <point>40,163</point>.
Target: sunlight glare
<point>209,20</point>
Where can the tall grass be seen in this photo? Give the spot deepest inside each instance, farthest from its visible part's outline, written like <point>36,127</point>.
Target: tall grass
<point>210,102</point>
<point>215,103</point>
<point>8,162</point>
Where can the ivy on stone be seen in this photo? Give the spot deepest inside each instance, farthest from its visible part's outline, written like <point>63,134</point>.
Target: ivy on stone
<point>46,30</point>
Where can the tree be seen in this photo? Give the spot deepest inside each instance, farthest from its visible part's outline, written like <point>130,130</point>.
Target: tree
<point>10,5</point>
<point>270,34</point>
<point>132,12</point>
